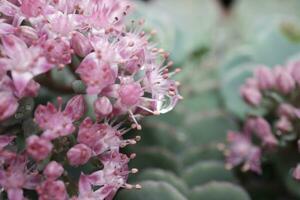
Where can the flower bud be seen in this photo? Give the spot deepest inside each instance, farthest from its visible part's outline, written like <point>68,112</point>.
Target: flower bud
<point>102,107</point>
<point>38,148</point>
<point>130,94</point>
<point>265,78</point>
<point>80,44</point>
<point>295,71</point>
<point>53,170</point>
<point>263,130</point>
<point>75,107</point>
<point>284,125</point>
<point>286,110</point>
<point>251,95</point>
<point>296,173</point>
<point>79,154</point>
<point>284,81</point>
<point>58,51</point>
<point>27,33</point>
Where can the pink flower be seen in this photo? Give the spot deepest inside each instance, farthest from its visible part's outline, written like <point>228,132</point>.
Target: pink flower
<point>79,154</point>
<point>242,151</point>
<point>58,51</point>
<point>5,140</point>
<point>16,176</point>
<point>110,179</point>
<point>52,190</point>
<point>262,129</point>
<point>53,170</point>
<point>102,137</point>
<point>81,44</point>
<point>24,62</point>
<point>57,123</point>
<point>38,148</point>
<point>130,94</point>
<point>96,73</point>
<point>102,107</point>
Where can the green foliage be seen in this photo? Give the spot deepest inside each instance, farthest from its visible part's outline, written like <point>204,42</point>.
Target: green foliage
<point>206,171</point>
<point>218,191</point>
<point>163,175</point>
<point>152,190</point>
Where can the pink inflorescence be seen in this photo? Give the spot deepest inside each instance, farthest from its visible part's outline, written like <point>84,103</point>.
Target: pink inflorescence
<point>274,92</point>
<point>123,73</point>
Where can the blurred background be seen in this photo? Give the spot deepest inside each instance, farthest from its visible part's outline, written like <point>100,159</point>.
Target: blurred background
<point>217,43</point>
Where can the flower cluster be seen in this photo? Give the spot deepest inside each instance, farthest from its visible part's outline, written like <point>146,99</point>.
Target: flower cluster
<point>125,74</point>
<point>274,94</point>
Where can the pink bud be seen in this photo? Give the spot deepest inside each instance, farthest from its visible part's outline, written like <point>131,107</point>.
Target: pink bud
<point>53,170</point>
<point>284,81</point>
<point>130,94</point>
<point>286,110</point>
<point>265,78</point>
<point>80,44</point>
<point>263,130</point>
<point>52,190</point>
<point>296,173</point>
<point>75,107</point>
<point>28,34</point>
<point>102,107</point>
<point>251,95</point>
<point>284,125</point>
<point>58,51</point>
<point>295,68</point>
<point>79,154</point>
<point>38,148</point>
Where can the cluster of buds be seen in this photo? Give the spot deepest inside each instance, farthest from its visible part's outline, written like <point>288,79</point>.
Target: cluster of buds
<point>121,70</point>
<point>274,92</point>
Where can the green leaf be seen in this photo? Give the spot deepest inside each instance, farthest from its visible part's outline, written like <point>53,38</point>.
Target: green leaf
<point>163,175</point>
<point>155,158</point>
<point>219,191</point>
<point>195,154</point>
<point>152,190</point>
<point>206,171</point>
<point>206,128</point>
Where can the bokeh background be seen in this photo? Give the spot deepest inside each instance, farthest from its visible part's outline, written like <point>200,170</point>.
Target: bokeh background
<point>217,44</point>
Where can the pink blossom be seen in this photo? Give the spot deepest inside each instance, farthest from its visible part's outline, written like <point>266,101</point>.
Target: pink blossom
<point>16,176</point>
<point>111,178</point>
<point>38,148</point>
<point>79,154</point>
<point>262,129</point>
<point>53,170</point>
<point>24,62</point>
<point>96,74</point>
<point>81,44</point>
<point>57,123</point>
<point>242,151</point>
<point>5,140</point>
<point>52,190</point>
<point>102,107</point>
<point>58,51</point>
